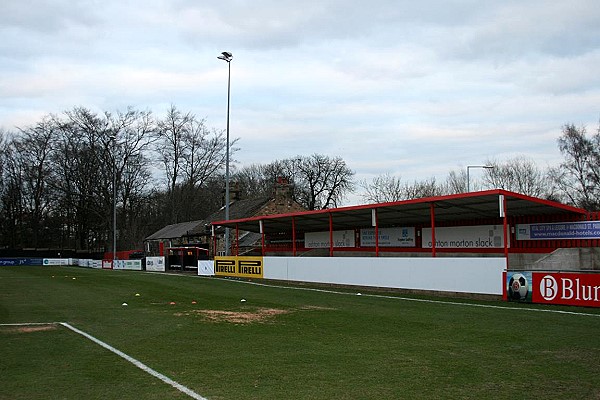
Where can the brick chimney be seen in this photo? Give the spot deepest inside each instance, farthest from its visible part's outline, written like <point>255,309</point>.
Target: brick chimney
<point>282,192</point>
<point>234,192</point>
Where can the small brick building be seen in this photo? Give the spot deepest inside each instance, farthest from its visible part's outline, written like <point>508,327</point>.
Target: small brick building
<point>202,234</point>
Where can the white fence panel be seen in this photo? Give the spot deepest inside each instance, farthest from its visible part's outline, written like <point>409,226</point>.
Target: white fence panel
<point>155,264</point>
<point>463,275</point>
<point>206,267</point>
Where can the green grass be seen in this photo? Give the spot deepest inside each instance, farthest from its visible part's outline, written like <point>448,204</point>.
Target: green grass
<point>325,346</point>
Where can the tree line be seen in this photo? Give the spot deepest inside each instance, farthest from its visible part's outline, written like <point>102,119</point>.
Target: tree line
<point>62,178</point>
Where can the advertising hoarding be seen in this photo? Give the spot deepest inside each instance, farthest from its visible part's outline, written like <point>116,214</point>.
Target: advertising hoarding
<point>320,240</point>
<point>566,288</point>
<point>135,265</point>
<point>242,267</point>
<point>206,268</point>
<point>465,237</point>
<point>55,262</point>
<point>20,261</point>
<point>155,264</point>
<point>389,237</point>
<point>559,230</point>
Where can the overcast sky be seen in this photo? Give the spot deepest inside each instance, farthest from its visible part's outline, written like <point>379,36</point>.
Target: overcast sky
<point>410,88</point>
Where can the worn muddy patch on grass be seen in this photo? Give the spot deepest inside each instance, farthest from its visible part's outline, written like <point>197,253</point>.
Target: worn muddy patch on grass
<point>257,315</point>
<point>27,328</point>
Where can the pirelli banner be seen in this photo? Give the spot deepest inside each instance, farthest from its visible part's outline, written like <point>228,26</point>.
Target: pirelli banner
<point>240,267</point>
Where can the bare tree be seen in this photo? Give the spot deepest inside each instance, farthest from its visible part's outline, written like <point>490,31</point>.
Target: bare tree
<point>456,182</point>
<point>382,189</point>
<point>169,146</point>
<point>256,180</point>
<point>97,157</point>
<point>3,145</point>
<point>33,149</point>
<point>190,154</point>
<point>318,181</point>
<point>132,132</point>
<point>388,188</point>
<point>84,169</point>
<point>204,153</point>
<point>134,194</point>
<point>4,150</point>
<point>322,181</point>
<point>11,200</point>
<point>519,175</point>
<point>577,177</point>
<point>420,189</point>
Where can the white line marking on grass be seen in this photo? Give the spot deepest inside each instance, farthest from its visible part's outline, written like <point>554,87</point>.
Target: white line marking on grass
<point>137,363</point>
<point>30,323</point>
<point>455,303</point>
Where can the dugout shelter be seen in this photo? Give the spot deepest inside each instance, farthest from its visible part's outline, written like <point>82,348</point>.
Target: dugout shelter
<point>185,258</point>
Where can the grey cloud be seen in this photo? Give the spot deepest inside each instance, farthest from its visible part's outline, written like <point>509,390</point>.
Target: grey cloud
<point>275,24</point>
<point>32,30</point>
<point>514,30</point>
<point>46,16</point>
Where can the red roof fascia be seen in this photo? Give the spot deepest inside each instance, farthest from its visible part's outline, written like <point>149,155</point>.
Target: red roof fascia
<point>432,199</point>
<point>548,203</point>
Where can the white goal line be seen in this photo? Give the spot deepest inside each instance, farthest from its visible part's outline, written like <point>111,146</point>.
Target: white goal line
<point>127,357</point>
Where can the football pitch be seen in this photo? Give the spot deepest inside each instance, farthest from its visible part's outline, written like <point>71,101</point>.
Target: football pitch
<point>73,333</point>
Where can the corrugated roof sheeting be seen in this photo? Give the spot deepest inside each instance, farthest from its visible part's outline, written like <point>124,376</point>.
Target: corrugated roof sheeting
<point>175,230</point>
<point>459,207</point>
<point>237,209</point>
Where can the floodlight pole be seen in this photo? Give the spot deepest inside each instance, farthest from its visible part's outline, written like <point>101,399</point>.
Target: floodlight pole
<point>113,138</point>
<point>227,57</point>
<point>475,166</point>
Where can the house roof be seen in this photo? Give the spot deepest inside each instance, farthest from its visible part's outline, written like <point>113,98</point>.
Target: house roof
<point>464,206</point>
<point>175,230</point>
<point>237,209</point>
<point>249,239</point>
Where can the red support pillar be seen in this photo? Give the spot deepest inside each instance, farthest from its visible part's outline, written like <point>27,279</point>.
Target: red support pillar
<point>215,250</point>
<point>262,238</point>
<point>294,236</point>
<point>237,240</point>
<point>330,235</point>
<point>432,215</point>
<point>505,226</point>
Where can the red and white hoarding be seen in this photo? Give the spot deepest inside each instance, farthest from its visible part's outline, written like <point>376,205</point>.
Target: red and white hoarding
<point>567,288</point>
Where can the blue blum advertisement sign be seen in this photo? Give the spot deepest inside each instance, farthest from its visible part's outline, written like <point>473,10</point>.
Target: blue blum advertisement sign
<point>559,230</point>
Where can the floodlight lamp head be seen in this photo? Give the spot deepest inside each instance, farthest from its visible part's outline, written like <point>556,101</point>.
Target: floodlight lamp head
<point>225,56</point>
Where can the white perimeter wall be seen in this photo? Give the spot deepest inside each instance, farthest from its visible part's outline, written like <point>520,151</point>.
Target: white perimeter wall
<point>464,275</point>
